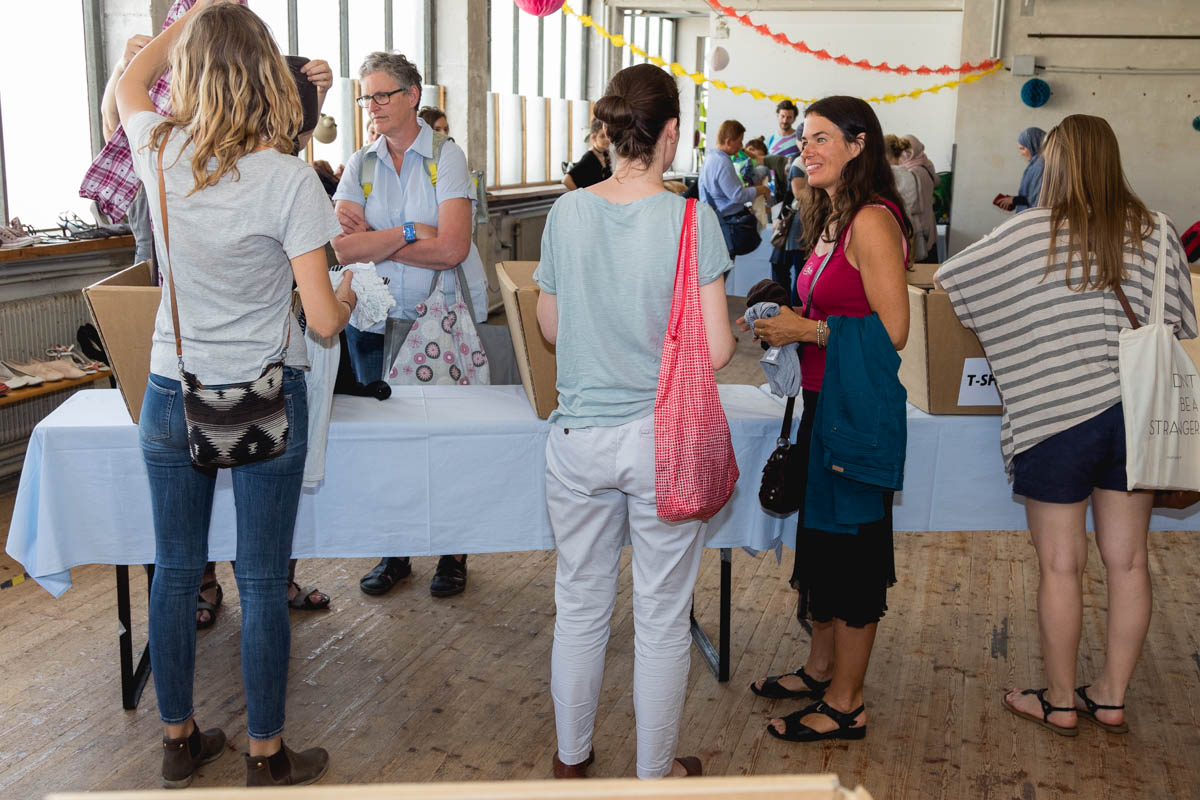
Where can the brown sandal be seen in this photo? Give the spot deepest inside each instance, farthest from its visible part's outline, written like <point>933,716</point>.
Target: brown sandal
<point>562,771</point>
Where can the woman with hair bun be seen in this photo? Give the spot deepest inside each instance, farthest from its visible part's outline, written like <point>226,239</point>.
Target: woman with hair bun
<point>246,218</point>
<point>607,274</point>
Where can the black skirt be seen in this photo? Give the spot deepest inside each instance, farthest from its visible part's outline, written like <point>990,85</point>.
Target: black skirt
<point>838,575</point>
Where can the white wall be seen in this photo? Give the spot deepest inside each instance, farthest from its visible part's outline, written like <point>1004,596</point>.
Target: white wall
<point>908,37</point>
<point>1151,115</point>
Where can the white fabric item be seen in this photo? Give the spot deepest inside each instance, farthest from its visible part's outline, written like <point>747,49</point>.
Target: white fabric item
<point>374,299</point>
<point>324,355</point>
<point>600,494</point>
<point>1159,398</point>
<point>427,456</point>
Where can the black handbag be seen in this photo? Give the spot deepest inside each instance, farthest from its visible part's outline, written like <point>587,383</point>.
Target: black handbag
<point>742,232</point>
<point>778,491</point>
<point>241,423</point>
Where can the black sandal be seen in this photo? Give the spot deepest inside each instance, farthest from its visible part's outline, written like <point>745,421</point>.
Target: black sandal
<point>204,605</point>
<point>1089,713</point>
<point>1047,710</point>
<point>772,689</point>
<point>846,728</point>
<point>303,600</point>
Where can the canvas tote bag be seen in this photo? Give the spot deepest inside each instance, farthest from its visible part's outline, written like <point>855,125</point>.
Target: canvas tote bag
<point>1160,392</point>
<point>694,466</point>
<point>443,347</point>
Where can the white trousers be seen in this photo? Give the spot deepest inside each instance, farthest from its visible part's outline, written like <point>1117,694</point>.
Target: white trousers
<point>599,488</point>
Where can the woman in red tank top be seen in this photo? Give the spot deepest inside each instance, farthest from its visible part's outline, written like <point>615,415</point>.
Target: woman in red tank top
<point>857,236</point>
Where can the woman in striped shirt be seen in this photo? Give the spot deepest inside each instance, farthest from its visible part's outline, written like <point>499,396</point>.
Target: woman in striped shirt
<point>1038,291</point>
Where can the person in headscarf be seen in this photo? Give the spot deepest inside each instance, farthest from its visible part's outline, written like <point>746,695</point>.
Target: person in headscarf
<point>923,219</point>
<point>1029,145</point>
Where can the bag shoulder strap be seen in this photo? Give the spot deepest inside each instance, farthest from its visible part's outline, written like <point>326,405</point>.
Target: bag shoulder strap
<point>1158,300</point>
<point>431,163</point>
<point>366,170</point>
<point>687,258</point>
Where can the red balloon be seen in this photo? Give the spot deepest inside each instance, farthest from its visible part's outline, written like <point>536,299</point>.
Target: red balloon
<point>539,8</point>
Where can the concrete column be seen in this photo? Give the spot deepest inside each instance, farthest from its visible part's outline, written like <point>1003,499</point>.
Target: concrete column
<point>460,47</point>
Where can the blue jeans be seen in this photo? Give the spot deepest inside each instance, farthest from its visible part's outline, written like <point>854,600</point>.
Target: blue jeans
<point>366,354</point>
<point>266,494</point>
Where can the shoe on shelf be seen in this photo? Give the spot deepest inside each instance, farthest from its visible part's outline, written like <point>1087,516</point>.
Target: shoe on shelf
<point>386,574</point>
<point>182,756</point>
<point>4,389</point>
<point>450,578</point>
<point>66,353</point>
<point>287,767</point>
<point>15,238</point>
<point>63,369</point>
<point>16,380</point>
<point>31,370</point>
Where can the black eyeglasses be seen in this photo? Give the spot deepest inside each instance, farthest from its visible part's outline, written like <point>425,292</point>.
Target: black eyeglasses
<point>380,98</point>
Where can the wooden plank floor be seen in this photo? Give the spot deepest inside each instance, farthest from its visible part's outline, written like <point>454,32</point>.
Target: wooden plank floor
<point>409,688</point>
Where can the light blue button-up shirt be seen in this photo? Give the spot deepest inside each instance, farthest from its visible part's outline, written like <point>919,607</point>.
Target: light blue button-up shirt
<point>719,184</point>
<point>408,197</point>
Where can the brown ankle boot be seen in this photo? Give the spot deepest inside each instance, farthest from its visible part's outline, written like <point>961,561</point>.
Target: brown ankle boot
<point>579,770</point>
<point>287,767</point>
<point>182,756</point>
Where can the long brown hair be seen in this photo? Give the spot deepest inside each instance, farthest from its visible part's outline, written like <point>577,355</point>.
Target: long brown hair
<point>865,178</point>
<point>1086,190</point>
<point>231,92</point>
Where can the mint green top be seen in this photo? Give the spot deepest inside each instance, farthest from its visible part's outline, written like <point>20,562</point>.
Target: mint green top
<point>612,266</point>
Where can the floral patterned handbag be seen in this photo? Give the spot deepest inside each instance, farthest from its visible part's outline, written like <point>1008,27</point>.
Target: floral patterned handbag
<point>443,347</point>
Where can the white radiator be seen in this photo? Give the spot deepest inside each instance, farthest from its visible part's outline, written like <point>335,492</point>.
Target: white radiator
<point>27,329</point>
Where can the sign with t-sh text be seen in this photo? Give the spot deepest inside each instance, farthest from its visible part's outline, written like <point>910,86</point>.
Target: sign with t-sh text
<point>978,385</point>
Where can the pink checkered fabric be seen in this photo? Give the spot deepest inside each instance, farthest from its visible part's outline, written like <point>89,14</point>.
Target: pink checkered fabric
<point>110,180</point>
<point>694,466</point>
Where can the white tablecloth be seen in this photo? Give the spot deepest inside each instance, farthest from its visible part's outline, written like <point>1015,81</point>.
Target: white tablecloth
<point>432,470</point>
<point>452,470</point>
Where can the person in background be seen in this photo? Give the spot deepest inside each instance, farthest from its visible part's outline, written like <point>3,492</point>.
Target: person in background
<point>435,118</point>
<point>607,274</point>
<point>1029,145</point>
<point>854,224</point>
<point>906,186</point>
<point>247,219</point>
<point>372,135</point>
<point>595,165</point>
<point>923,218</point>
<point>719,184</point>
<point>1063,427</point>
<point>409,226</point>
<point>113,185</point>
<point>768,168</point>
<point>786,261</point>
<point>785,141</point>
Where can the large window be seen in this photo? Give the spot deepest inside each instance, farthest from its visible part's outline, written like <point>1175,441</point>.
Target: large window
<point>44,112</point>
<point>650,32</point>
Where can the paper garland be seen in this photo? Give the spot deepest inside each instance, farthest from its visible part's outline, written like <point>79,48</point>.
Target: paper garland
<point>700,78</point>
<point>824,55</point>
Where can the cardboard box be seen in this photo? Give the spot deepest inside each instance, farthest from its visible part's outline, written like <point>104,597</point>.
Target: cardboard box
<point>1192,346</point>
<point>943,366</point>
<point>124,306</point>
<point>536,359</point>
<point>921,275</point>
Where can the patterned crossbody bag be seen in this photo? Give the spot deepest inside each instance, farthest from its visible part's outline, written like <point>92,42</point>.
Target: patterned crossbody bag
<point>241,423</point>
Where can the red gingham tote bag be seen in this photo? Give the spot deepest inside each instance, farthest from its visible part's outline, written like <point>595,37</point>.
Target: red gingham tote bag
<point>694,466</point>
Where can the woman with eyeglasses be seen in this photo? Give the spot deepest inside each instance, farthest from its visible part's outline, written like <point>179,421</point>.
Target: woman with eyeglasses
<point>414,221</point>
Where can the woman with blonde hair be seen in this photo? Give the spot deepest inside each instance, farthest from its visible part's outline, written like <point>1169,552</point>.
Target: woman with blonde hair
<point>1040,291</point>
<point>243,218</point>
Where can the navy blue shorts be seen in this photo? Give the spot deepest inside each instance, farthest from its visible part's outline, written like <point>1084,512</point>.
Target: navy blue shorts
<point>1066,467</point>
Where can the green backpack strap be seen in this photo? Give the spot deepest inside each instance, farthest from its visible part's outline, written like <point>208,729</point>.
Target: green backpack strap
<point>370,161</point>
<point>366,171</point>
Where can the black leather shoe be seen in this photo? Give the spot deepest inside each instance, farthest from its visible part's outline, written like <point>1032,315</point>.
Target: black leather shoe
<point>450,578</point>
<point>387,573</point>
<point>287,767</point>
<point>183,756</point>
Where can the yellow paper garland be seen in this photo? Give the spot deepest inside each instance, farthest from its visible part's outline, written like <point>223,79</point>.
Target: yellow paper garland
<point>700,78</point>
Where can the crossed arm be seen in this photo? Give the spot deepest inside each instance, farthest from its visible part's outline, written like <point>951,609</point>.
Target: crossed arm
<point>443,247</point>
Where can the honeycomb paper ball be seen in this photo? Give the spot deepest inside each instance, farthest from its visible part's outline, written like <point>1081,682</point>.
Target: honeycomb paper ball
<point>539,8</point>
<point>1196,124</point>
<point>1035,93</point>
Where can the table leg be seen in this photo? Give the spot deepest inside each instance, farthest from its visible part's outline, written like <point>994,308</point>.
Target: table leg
<point>717,658</point>
<point>133,681</point>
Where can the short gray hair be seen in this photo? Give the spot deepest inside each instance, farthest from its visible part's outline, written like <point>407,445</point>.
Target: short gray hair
<point>399,68</point>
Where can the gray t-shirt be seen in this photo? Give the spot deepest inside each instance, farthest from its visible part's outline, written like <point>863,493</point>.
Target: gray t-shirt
<point>231,246</point>
<point>612,267</point>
